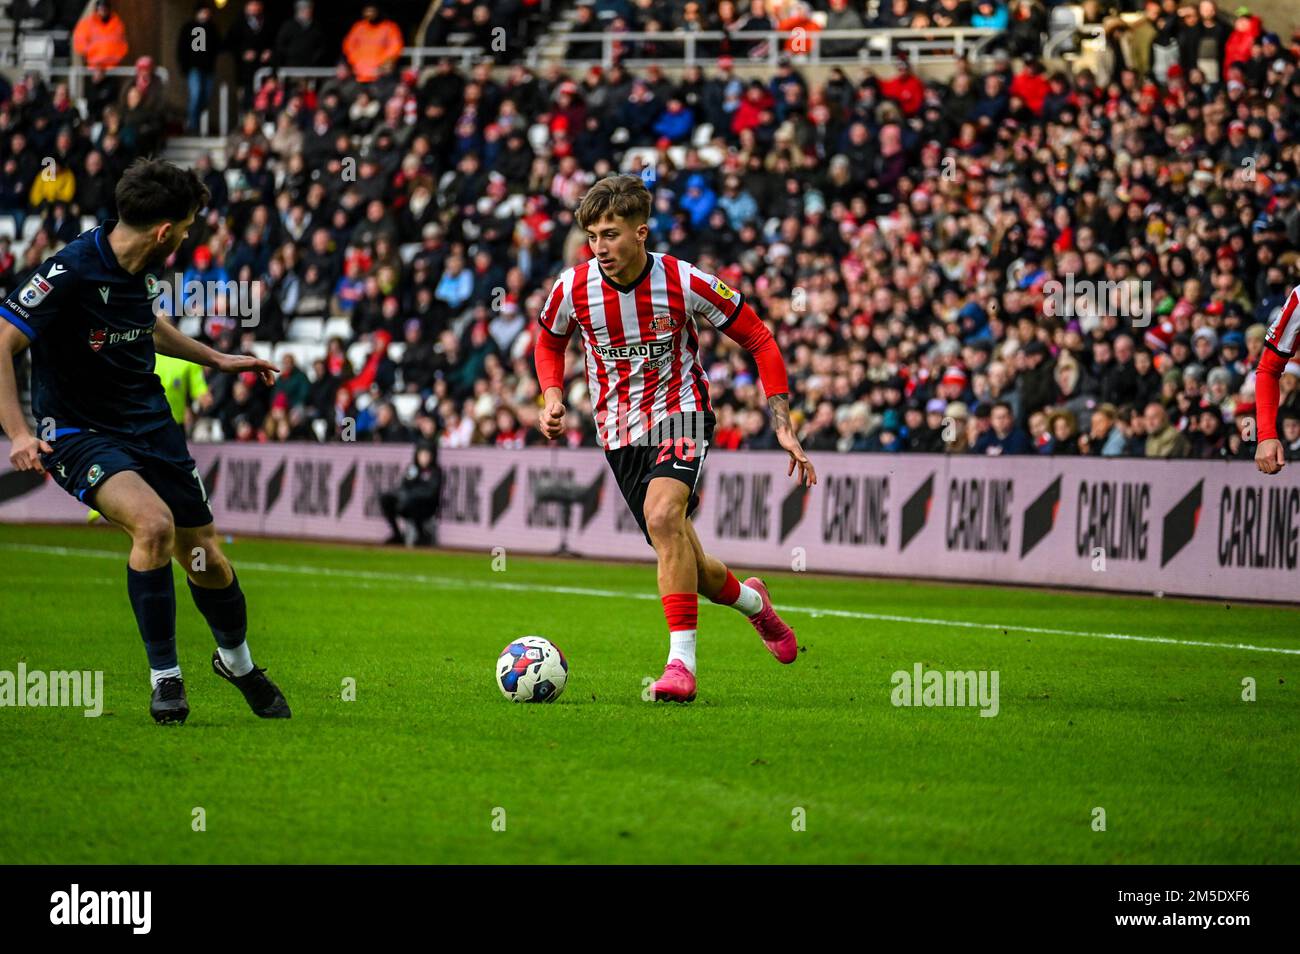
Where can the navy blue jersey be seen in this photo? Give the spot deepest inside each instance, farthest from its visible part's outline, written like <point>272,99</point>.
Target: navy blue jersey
<point>91,323</point>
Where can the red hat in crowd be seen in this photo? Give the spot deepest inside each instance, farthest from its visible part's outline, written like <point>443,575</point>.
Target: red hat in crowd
<point>1158,336</point>
<point>954,375</point>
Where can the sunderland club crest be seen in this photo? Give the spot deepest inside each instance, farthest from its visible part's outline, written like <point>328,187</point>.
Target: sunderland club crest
<point>662,322</point>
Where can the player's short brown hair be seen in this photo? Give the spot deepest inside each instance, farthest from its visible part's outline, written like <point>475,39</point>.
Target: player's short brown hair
<point>154,190</point>
<point>623,196</point>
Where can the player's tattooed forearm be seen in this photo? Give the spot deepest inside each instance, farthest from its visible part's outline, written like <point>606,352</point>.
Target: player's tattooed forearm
<point>780,408</point>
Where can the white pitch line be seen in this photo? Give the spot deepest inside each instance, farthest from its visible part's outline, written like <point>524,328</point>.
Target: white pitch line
<point>459,583</point>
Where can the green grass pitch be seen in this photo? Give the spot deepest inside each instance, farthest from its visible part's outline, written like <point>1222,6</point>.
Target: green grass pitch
<point>420,765</point>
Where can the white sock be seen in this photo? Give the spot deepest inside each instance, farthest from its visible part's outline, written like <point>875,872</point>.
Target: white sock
<point>238,660</point>
<point>158,675</point>
<point>749,602</point>
<point>682,648</point>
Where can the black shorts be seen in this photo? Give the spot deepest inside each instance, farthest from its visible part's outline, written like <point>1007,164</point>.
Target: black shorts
<point>82,461</point>
<point>681,458</point>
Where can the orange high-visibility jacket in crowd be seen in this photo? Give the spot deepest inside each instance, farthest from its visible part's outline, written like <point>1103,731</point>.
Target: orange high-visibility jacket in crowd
<point>101,43</point>
<point>368,46</point>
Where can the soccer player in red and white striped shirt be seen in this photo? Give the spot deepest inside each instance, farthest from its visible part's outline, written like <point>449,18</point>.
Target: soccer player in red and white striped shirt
<point>650,397</point>
<point>1279,346</point>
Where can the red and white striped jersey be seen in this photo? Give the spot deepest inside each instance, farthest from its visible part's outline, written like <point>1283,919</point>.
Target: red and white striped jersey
<point>642,349</point>
<point>1285,324</point>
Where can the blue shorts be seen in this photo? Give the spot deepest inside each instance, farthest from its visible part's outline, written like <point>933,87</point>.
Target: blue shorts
<point>82,460</point>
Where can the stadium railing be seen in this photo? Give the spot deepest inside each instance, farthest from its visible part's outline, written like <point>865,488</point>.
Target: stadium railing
<point>927,45</point>
<point>879,47</point>
<point>412,56</point>
<point>76,75</point>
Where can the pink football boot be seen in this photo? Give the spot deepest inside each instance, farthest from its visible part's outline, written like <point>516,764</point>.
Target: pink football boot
<point>677,684</point>
<point>777,636</point>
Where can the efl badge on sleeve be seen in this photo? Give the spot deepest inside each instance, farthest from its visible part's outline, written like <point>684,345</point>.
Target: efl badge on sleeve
<point>34,291</point>
<point>723,290</point>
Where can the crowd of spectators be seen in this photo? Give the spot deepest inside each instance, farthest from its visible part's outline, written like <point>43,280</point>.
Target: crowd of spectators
<point>903,236</point>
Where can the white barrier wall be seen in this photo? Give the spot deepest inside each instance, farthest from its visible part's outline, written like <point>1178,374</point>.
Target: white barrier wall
<point>1182,527</point>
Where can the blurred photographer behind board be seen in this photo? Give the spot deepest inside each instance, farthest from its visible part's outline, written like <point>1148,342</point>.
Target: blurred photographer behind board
<point>417,498</point>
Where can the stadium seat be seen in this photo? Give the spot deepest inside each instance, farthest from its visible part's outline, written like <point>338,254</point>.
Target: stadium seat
<point>304,352</point>
<point>35,52</point>
<point>31,225</point>
<point>357,354</point>
<point>306,329</point>
<point>396,350</point>
<point>407,406</point>
<point>639,156</point>
<point>538,136</point>
<point>8,227</point>
<point>1065,19</point>
<point>337,328</point>
<point>191,325</point>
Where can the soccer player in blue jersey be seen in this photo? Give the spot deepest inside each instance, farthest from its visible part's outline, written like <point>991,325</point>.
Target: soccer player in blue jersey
<point>106,433</point>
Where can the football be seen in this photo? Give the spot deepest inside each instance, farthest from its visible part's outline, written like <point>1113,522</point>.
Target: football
<point>532,669</point>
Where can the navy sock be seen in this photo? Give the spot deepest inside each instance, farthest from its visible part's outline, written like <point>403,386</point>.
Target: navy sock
<point>225,611</point>
<point>153,597</point>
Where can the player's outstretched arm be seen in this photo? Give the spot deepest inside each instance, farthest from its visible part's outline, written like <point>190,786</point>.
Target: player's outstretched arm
<point>785,435</point>
<point>1269,456</point>
<point>25,448</point>
<point>169,340</point>
<point>548,356</point>
<point>751,334</point>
